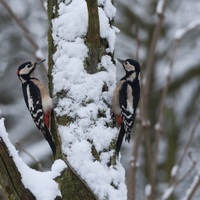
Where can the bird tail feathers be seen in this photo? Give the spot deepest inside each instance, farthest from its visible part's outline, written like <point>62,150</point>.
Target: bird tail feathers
<point>120,139</point>
<point>49,138</point>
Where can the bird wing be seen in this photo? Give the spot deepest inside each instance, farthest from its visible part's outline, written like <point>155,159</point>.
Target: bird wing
<point>34,103</point>
<point>128,112</point>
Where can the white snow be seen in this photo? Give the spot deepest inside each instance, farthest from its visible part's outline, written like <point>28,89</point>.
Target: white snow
<point>174,170</point>
<point>105,30</point>
<point>146,122</point>
<point>148,190</point>
<point>83,99</point>
<point>159,8</point>
<point>39,54</point>
<point>41,184</point>
<point>157,126</point>
<point>181,32</point>
<point>167,193</point>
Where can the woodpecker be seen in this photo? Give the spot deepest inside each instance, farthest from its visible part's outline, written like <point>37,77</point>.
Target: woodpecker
<point>125,100</point>
<point>37,99</point>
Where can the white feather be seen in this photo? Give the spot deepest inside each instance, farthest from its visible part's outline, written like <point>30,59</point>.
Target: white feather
<point>47,103</point>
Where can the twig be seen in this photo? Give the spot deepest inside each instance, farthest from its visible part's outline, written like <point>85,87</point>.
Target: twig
<point>191,191</point>
<point>180,180</point>
<point>173,185</point>
<point>20,24</point>
<point>179,163</point>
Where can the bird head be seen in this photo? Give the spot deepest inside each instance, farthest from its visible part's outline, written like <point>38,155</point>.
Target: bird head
<point>130,66</point>
<point>25,70</point>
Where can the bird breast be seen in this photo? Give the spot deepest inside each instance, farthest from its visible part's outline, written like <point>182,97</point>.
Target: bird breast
<point>47,102</point>
<point>115,100</point>
<point>129,99</point>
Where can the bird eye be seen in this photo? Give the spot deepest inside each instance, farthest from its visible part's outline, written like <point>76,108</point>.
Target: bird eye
<point>125,62</point>
<point>29,65</point>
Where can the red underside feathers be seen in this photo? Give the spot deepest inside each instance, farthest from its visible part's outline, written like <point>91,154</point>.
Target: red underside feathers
<point>46,118</point>
<point>119,120</point>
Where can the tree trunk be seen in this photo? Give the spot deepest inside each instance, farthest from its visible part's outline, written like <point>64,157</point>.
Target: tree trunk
<point>71,184</point>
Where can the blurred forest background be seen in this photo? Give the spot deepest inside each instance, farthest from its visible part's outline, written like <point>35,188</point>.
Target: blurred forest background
<point>167,132</point>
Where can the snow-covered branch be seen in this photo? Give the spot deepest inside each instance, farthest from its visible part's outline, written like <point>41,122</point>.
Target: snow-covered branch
<point>175,182</point>
<point>193,187</point>
<point>160,7</point>
<point>181,32</point>
<point>26,181</point>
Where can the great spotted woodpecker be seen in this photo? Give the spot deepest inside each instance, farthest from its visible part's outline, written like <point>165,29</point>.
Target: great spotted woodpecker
<point>37,99</point>
<point>125,100</point>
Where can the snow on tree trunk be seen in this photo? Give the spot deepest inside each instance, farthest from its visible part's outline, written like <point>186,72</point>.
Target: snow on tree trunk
<point>83,78</point>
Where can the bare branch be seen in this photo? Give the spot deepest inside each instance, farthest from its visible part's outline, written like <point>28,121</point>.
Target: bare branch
<point>20,24</point>
<point>189,140</point>
<point>194,186</point>
<point>180,180</point>
<point>25,31</point>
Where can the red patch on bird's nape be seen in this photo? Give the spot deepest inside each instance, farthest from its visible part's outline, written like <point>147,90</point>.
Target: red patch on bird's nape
<point>18,72</point>
<point>119,120</point>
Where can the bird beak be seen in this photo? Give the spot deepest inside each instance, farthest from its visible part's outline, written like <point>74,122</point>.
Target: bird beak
<point>40,62</point>
<point>121,61</point>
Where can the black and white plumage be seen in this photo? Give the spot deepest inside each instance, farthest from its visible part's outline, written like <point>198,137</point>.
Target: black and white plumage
<point>125,100</point>
<point>37,100</point>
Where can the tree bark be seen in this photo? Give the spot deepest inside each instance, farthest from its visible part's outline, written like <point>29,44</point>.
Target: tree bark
<point>10,178</point>
<point>93,37</point>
